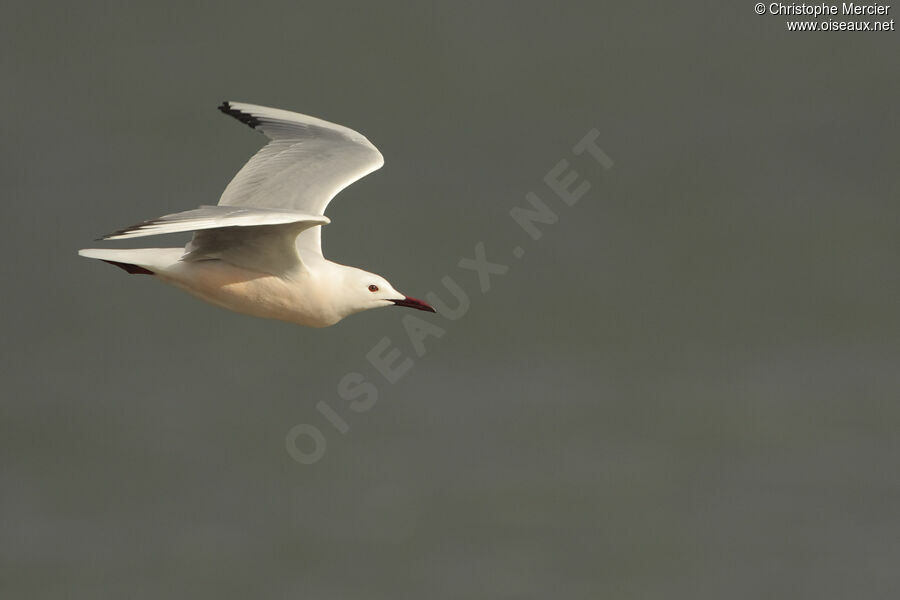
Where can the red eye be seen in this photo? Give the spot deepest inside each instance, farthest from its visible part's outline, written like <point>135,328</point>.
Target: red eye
<point>373,288</point>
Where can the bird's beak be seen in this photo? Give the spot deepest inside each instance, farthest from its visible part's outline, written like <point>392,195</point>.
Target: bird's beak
<point>413,303</point>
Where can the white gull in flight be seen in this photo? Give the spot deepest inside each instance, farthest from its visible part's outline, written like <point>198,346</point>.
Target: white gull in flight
<point>259,251</point>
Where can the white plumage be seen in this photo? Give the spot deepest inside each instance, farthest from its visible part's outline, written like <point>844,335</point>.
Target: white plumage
<point>259,251</point>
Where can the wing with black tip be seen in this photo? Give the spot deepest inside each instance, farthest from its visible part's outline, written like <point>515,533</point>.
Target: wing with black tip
<point>305,164</point>
<point>258,239</point>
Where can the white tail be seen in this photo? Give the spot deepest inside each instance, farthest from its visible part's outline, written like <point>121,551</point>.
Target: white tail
<point>143,261</point>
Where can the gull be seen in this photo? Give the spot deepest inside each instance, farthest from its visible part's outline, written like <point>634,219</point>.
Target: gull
<point>259,251</point>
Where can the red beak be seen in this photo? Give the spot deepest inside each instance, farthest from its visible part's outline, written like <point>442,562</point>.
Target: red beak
<point>413,303</point>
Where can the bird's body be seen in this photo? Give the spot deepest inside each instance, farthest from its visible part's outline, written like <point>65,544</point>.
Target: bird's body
<point>303,296</point>
<point>259,251</point>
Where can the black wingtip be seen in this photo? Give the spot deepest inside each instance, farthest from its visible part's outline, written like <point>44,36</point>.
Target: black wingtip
<point>243,117</point>
<point>129,268</point>
<point>130,229</point>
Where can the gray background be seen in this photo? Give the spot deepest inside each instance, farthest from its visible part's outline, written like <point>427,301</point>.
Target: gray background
<point>688,388</point>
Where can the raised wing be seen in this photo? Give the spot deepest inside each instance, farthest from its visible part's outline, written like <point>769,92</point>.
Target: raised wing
<point>306,163</point>
<point>258,239</point>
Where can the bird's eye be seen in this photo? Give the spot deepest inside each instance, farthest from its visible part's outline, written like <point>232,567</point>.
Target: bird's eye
<point>373,288</point>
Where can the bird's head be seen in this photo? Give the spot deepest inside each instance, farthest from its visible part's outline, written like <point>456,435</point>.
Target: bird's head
<point>361,291</point>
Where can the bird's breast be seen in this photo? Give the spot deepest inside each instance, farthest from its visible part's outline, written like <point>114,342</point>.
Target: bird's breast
<point>295,299</point>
